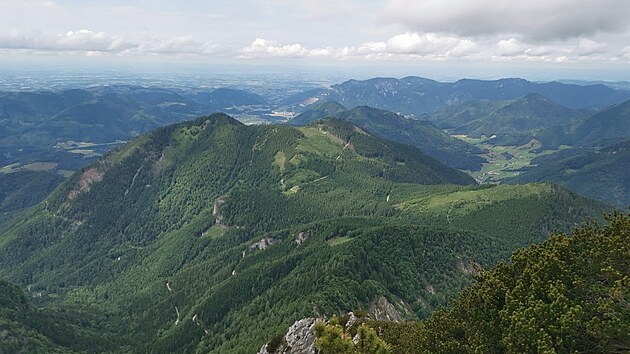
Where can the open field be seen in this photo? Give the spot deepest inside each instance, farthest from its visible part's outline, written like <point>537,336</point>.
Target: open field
<point>504,161</point>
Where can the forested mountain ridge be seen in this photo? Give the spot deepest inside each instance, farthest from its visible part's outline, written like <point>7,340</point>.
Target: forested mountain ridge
<point>606,127</point>
<point>416,96</point>
<point>568,294</point>
<point>521,117</point>
<point>597,173</point>
<point>67,128</point>
<point>209,235</point>
<point>395,127</point>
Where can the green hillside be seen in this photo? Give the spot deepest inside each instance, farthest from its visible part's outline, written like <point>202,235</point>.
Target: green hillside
<point>520,118</point>
<point>23,189</point>
<point>391,126</point>
<point>567,295</point>
<point>318,111</point>
<point>211,235</point>
<point>600,174</point>
<point>461,114</point>
<point>28,329</point>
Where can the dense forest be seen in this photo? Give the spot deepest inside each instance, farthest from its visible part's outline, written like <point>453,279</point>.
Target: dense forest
<point>569,294</point>
<point>210,236</point>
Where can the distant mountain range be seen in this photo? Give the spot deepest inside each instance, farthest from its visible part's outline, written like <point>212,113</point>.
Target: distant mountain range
<point>391,126</point>
<point>33,122</point>
<point>606,127</point>
<point>521,117</point>
<point>415,96</point>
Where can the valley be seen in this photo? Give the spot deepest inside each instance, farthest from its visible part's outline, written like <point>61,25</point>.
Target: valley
<point>213,233</point>
<point>314,177</point>
<point>365,211</point>
<point>505,161</point>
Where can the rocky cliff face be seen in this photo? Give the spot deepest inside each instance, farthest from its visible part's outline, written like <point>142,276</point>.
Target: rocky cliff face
<point>300,339</point>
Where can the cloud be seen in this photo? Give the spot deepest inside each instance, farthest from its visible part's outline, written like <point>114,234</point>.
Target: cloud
<point>86,40</point>
<point>571,51</point>
<point>92,43</point>
<point>178,45</point>
<point>538,20</point>
<point>265,48</point>
<point>429,44</point>
<point>406,44</point>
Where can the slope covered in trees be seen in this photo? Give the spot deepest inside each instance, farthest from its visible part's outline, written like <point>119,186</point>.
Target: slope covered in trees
<point>600,174</point>
<point>606,127</point>
<point>569,294</point>
<point>395,127</point>
<point>522,117</point>
<point>415,96</point>
<point>209,235</point>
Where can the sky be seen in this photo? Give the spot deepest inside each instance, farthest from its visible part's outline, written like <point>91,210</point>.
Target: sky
<point>587,39</point>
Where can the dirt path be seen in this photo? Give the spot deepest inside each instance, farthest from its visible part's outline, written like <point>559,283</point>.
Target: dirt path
<point>133,180</point>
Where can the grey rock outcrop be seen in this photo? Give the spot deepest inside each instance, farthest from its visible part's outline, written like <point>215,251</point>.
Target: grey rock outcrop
<point>300,339</point>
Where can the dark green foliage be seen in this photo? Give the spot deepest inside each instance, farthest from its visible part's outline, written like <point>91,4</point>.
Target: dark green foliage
<point>568,294</point>
<point>25,328</point>
<point>333,338</point>
<point>34,122</point>
<point>518,118</point>
<point>416,95</point>
<point>318,111</point>
<point>606,127</point>
<point>23,189</point>
<point>211,235</point>
<point>394,127</point>
<point>600,174</point>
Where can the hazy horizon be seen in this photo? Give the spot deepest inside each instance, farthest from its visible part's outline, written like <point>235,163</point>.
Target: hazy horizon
<point>445,40</point>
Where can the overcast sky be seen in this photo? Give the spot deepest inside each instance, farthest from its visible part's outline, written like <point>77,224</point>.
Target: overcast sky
<point>588,35</point>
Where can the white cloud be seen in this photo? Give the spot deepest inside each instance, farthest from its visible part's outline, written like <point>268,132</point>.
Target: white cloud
<point>510,47</point>
<point>588,47</point>
<point>407,44</point>
<point>429,44</point>
<point>533,19</point>
<point>92,43</point>
<point>178,45</point>
<point>569,51</point>
<point>86,40</point>
<point>265,48</point>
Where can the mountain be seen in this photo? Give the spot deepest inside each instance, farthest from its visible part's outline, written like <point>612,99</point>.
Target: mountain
<point>566,295</point>
<point>521,117</point>
<point>458,115</point>
<point>318,111</point>
<point>28,329</point>
<point>23,189</point>
<point>415,96</point>
<point>600,174</point>
<point>605,127</point>
<point>209,235</point>
<point>391,126</point>
<point>70,127</point>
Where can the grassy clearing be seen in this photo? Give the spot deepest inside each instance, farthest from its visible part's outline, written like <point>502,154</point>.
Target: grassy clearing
<point>292,191</point>
<point>279,160</point>
<point>41,166</point>
<point>470,198</point>
<point>85,152</point>
<point>504,161</point>
<point>338,240</point>
<point>10,168</point>
<point>214,232</point>
<point>319,142</point>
